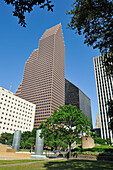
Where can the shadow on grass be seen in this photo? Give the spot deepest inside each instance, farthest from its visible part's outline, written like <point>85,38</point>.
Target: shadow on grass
<point>78,164</point>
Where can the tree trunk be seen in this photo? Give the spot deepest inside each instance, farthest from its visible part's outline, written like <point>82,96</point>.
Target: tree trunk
<point>69,150</point>
<point>31,148</point>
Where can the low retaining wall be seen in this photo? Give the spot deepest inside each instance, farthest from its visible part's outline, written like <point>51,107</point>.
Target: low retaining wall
<point>90,157</point>
<point>93,157</point>
<point>3,148</point>
<point>15,155</point>
<point>11,150</point>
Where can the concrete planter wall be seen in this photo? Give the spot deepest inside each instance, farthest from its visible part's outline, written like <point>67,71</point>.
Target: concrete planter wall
<point>93,157</point>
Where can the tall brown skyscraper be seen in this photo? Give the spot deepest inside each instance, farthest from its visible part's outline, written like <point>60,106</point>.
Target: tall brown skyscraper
<point>44,76</point>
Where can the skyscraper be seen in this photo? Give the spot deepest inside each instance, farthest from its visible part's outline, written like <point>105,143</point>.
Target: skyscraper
<point>44,76</point>
<point>104,87</point>
<point>75,97</point>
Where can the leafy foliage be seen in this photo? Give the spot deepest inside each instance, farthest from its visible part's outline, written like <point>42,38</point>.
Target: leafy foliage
<point>99,140</point>
<point>64,126</point>
<point>6,138</point>
<point>22,6</point>
<point>94,19</point>
<point>110,113</point>
<point>28,139</point>
<point>105,149</point>
<point>52,137</point>
<point>107,61</point>
<point>30,142</point>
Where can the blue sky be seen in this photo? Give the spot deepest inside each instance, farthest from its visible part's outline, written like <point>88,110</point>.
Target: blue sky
<point>17,44</point>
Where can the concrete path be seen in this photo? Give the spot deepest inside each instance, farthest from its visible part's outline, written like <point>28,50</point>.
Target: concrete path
<point>27,163</point>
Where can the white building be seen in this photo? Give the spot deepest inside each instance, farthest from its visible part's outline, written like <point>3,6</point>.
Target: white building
<point>104,86</point>
<point>15,113</point>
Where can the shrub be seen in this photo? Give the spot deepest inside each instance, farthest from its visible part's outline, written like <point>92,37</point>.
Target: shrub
<point>94,151</point>
<point>98,140</point>
<point>78,141</point>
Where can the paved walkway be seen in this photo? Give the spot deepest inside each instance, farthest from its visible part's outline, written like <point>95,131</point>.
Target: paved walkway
<point>27,163</point>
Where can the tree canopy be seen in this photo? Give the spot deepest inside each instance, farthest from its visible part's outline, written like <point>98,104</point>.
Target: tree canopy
<point>28,139</point>
<point>6,138</point>
<point>30,142</point>
<point>23,6</point>
<point>94,19</point>
<point>110,113</point>
<point>65,126</point>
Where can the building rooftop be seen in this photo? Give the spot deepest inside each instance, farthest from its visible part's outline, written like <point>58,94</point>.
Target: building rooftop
<point>8,91</point>
<point>51,31</point>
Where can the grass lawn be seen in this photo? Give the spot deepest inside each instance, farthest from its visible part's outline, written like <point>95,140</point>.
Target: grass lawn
<point>7,162</point>
<point>104,146</point>
<point>65,164</point>
<point>24,150</point>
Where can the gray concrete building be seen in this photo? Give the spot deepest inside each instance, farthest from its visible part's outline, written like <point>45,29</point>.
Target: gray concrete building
<point>75,97</point>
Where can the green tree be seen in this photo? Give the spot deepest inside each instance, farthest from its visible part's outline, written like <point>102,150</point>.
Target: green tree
<point>23,6</point>
<point>52,137</point>
<point>99,140</point>
<point>33,133</point>
<point>6,138</point>
<point>108,141</point>
<point>30,142</point>
<point>110,113</point>
<point>67,124</point>
<point>94,19</point>
<point>24,138</point>
<point>22,144</point>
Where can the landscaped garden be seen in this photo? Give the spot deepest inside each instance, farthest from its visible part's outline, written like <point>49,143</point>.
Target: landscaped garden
<point>62,165</point>
<point>98,149</point>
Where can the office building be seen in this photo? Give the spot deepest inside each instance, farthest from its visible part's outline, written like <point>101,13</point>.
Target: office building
<point>75,97</point>
<point>104,86</point>
<point>98,124</point>
<point>15,113</point>
<point>44,76</point>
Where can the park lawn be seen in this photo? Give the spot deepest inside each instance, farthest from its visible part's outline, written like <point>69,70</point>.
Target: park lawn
<point>64,164</point>
<point>104,146</point>
<point>24,150</point>
<point>7,162</point>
